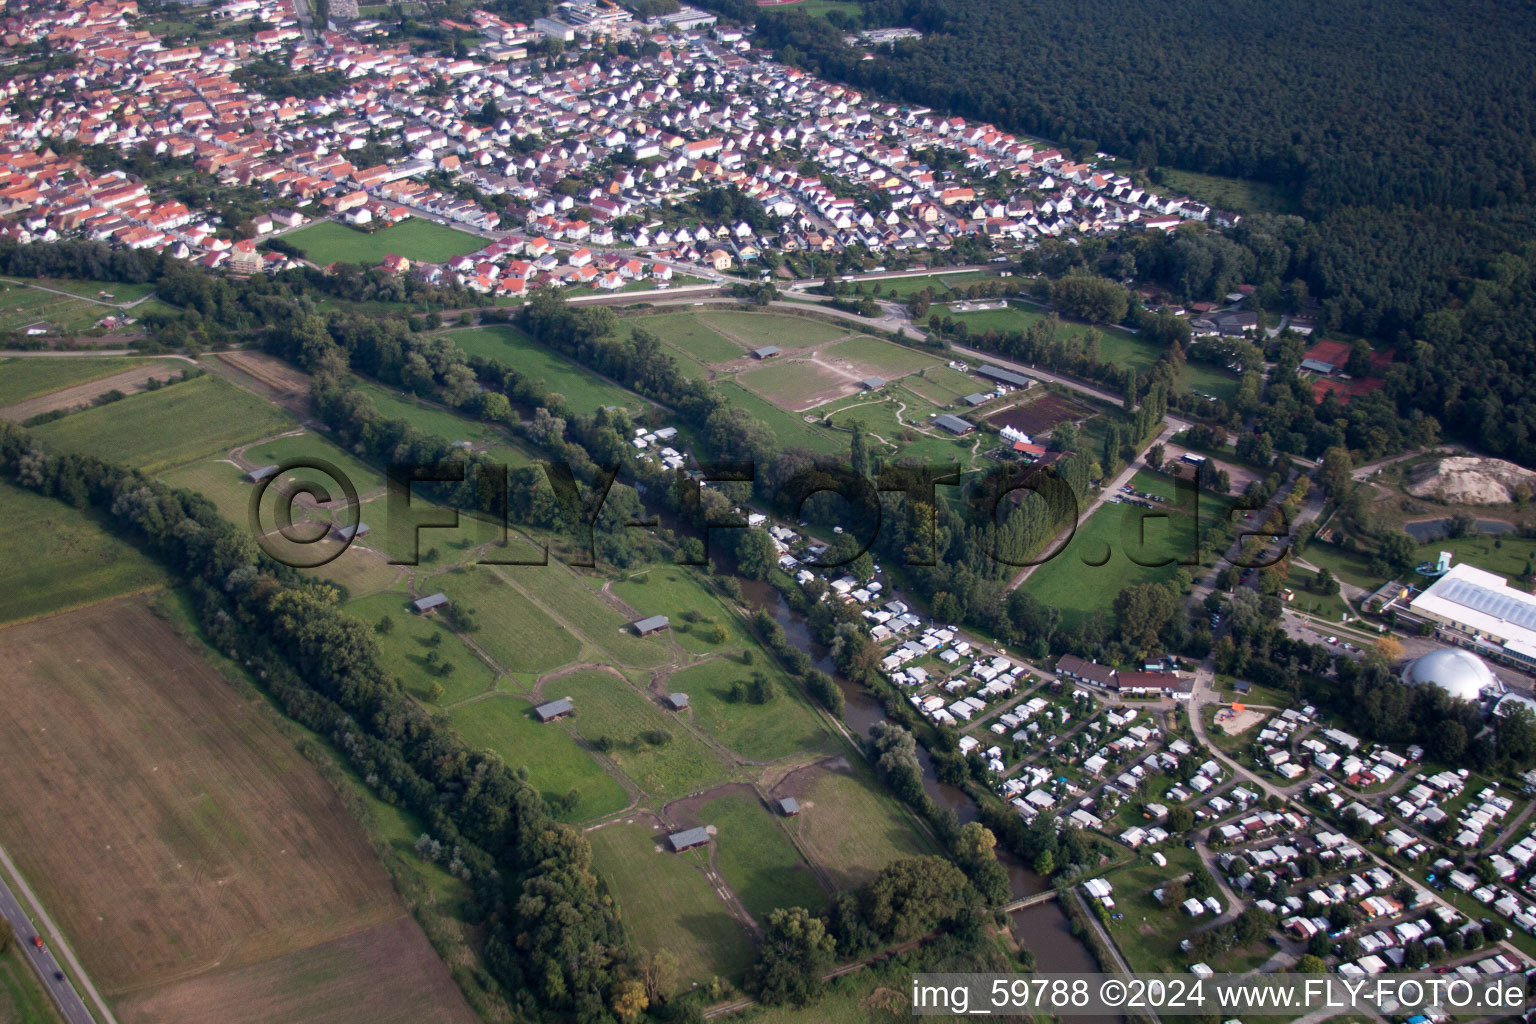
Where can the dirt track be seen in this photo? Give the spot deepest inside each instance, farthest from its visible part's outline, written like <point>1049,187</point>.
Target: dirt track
<point>128,382</point>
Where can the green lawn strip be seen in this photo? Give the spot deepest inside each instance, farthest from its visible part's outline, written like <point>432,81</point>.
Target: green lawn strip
<point>23,306</point>
<point>609,708</point>
<point>70,559</point>
<point>757,859</point>
<point>24,377</point>
<point>431,418</point>
<point>783,330</point>
<point>155,430</point>
<point>557,766</point>
<point>416,648</point>
<point>1069,582</point>
<point>852,828</point>
<point>785,725</point>
<point>415,239</point>
<point>583,390</point>
<point>1505,554</point>
<point>22,998</point>
<point>666,903</point>
<point>1348,566</point>
<point>511,628</point>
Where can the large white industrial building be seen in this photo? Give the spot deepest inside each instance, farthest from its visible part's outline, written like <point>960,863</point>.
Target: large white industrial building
<point>1482,610</point>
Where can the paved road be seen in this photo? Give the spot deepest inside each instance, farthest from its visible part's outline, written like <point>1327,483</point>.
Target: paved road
<point>42,960</point>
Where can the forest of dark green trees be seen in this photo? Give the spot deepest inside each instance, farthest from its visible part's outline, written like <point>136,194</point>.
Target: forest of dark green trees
<point>1403,134</point>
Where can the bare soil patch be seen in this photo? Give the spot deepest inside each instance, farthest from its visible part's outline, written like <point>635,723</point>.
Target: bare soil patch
<point>1039,416</point>
<point>274,373</point>
<point>168,826</point>
<point>1235,723</point>
<point>128,382</point>
<point>1470,480</point>
<point>685,812</point>
<point>388,974</point>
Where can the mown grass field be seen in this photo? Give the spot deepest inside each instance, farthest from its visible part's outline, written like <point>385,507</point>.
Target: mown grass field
<point>608,706</point>
<point>583,390</point>
<point>103,291</point>
<point>677,592</point>
<point>1071,582</point>
<point>788,427</point>
<point>850,827</point>
<point>577,604</point>
<point>784,726</point>
<point>417,240</point>
<point>757,859</point>
<point>556,763</point>
<point>686,331</point>
<point>879,415</point>
<point>755,330</point>
<point>943,386</point>
<point>878,357</point>
<point>411,639</point>
<point>666,902</point>
<point>61,557</point>
<point>794,386</point>
<point>940,284</point>
<point>1229,193</point>
<point>431,418</point>
<point>22,306</point>
<point>27,377</point>
<point>156,430</point>
<point>511,628</point>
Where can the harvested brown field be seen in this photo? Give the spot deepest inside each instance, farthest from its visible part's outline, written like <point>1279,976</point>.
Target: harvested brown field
<point>388,974</point>
<point>128,382</point>
<point>169,827</point>
<point>274,373</point>
<point>1039,416</point>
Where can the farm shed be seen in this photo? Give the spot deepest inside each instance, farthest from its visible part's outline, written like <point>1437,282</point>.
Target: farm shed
<point>256,476</point>
<point>1003,376</point>
<point>766,352</point>
<point>554,709</point>
<point>677,701</point>
<point>953,424</point>
<point>872,383</point>
<point>688,839</point>
<point>427,604</point>
<point>351,532</point>
<point>649,625</point>
<point>789,807</point>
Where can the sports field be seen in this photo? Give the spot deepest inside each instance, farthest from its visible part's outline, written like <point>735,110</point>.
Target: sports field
<point>420,241</point>
<point>24,377</point>
<point>583,390</point>
<point>754,330</point>
<point>868,356</point>
<point>159,429</point>
<point>666,902</point>
<point>557,765</point>
<point>796,385</point>
<point>167,825</point>
<point>608,707</point>
<point>784,726</point>
<point>69,559</point>
<point>757,859</point>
